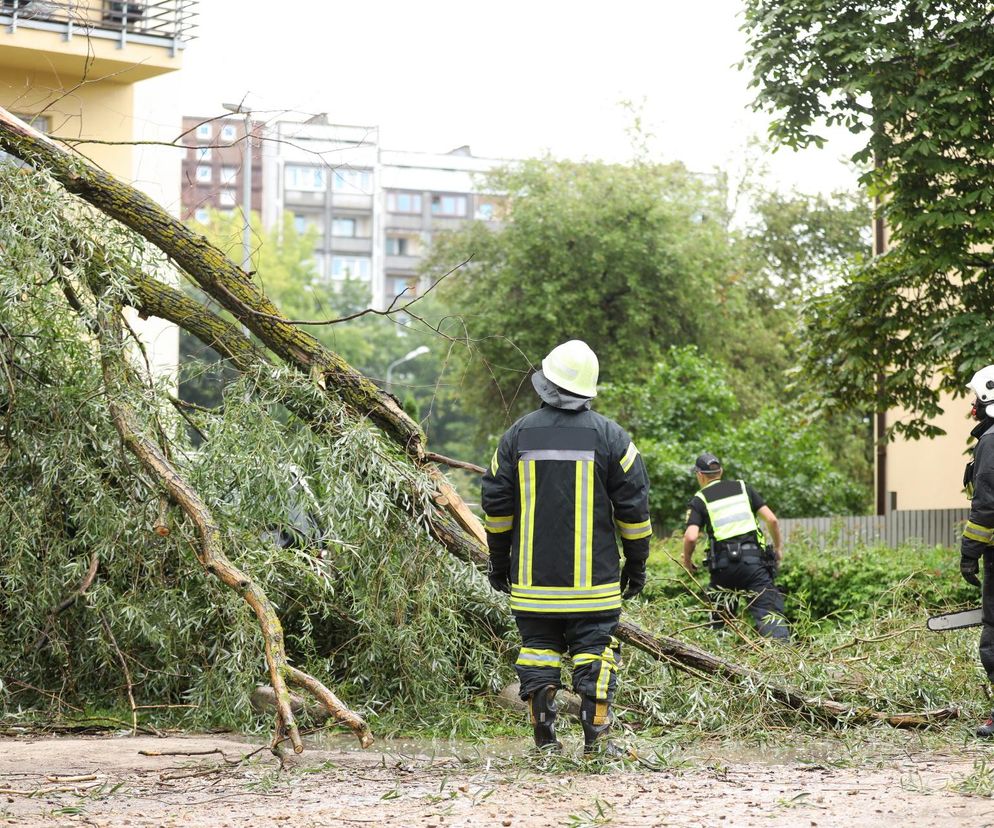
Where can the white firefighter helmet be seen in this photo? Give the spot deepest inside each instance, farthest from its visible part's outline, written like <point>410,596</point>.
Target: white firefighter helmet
<point>982,385</point>
<point>573,367</point>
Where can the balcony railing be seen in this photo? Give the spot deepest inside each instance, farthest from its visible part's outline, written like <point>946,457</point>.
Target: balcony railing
<point>153,22</point>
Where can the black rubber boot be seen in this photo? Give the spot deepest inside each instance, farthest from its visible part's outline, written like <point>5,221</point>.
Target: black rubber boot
<point>595,717</point>
<point>986,729</point>
<point>543,708</point>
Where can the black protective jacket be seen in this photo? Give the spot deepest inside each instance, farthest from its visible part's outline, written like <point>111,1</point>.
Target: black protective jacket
<point>562,487</point>
<point>979,532</point>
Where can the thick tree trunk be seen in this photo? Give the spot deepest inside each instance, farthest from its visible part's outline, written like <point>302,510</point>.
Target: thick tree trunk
<point>452,523</point>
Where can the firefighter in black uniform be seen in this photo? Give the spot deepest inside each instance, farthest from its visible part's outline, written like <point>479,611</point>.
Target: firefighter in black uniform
<point>739,558</point>
<point>563,485</point>
<point>979,530</point>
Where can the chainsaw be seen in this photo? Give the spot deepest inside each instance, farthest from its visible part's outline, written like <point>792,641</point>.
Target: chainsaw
<point>956,620</point>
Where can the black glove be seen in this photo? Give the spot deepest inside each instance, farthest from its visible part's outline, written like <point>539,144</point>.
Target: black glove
<point>499,572</point>
<point>968,568</point>
<point>632,578</point>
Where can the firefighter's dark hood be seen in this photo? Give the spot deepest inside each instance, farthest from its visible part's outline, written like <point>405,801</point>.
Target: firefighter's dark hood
<point>557,397</point>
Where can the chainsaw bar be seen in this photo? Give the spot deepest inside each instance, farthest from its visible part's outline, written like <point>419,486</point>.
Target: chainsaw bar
<point>956,620</point>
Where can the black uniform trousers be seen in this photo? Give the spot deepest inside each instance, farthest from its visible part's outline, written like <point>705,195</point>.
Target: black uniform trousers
<point>766,604</point>
<point>588,640</point>
<point>987,613</point>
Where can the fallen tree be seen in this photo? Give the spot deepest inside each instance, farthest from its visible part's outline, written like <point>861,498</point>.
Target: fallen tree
<point>423,493</point>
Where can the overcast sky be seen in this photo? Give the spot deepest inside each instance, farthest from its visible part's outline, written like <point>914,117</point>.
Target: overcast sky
<point>512,80</point>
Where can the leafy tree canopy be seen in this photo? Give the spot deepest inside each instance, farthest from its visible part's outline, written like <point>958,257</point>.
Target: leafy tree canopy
<point>687,406</point>
<point>916,77</point>
<point>628,258</point>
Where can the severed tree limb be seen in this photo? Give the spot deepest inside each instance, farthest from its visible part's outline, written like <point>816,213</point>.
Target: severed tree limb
<point>215,273</point>
<point>455,464</point>
<point>68,601</point>
<point>210,550</point>
<point>234,289</point>
<point>452,523</point>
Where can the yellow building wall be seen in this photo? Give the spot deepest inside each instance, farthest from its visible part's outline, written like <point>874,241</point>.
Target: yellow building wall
<point>101,111</point>
<point>928,474</point>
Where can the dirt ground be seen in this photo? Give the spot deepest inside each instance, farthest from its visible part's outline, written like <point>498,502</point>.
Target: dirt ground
<point>104,781</point>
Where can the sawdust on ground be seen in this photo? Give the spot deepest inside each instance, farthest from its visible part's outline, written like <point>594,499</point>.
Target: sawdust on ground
<point>107,781</point>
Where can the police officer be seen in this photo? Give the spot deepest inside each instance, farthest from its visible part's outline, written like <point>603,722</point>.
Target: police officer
<point>738,558</point>
<point>977,536</point>
<point>564,484</point>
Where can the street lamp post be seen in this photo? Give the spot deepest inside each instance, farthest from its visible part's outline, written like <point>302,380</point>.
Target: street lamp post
<point>238,109</point>
<point>419,351</point>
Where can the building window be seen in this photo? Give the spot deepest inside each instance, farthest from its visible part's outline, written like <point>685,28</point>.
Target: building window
<point>352,181</point>
<point>202,215</point>
<point>229,175</point>
<point>398,246</point>
<point>227,198</point>
<point>203,154</point>
<point>304,222</point>
<point>228,133</point>
<point>343,227</point>
<point>350,267</point>
<point>303,178</point>
<point>484,212</point>
<point>448,205</point>
<point>204,132</point>
<point>204,175</point>
<point>402,283</point>
<point>404,202</point>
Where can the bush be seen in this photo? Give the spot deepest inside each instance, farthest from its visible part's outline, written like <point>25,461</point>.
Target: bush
<point>687,407</point>
<point>834,584</point>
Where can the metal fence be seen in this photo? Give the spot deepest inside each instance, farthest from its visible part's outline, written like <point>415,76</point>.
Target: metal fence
<point>931,527</point>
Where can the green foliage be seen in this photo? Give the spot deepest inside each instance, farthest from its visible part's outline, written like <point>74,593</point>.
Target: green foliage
<point>794,243</point>
<point>834,586</point>
<point>915,77</point>
<point>636,260</point>
<point>283,262</point>
<point>628,258</point>
<point>687,406</point>
<point>374,607</point>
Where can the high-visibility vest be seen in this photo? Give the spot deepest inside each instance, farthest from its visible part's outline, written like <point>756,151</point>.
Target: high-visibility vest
<point>731,516</point>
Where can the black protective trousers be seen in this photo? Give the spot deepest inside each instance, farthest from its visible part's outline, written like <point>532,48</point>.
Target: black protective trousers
<point>589,642</point>
<point>766,603</point>
<point>987,630</point>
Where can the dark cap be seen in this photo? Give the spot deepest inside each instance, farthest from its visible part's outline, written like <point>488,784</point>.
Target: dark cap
<point>707,463</point>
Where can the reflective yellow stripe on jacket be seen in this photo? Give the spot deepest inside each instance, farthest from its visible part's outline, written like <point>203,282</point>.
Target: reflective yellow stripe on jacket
<point>633,531</point>
<point>497,524</point>
<point>629,458</point>
<point>974,531</point>
<point>601,598</point>
<point>583,525</point>
<point>526,489</point>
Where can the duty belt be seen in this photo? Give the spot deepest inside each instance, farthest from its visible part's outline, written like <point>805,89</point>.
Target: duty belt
<point>734,552</point>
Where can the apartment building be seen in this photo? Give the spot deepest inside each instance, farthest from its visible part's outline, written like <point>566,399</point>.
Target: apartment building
<point>423,194</point>
<point>374,211</point>
<point>71,67</point>
<point>325,176</point>
<point>213,175</point>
